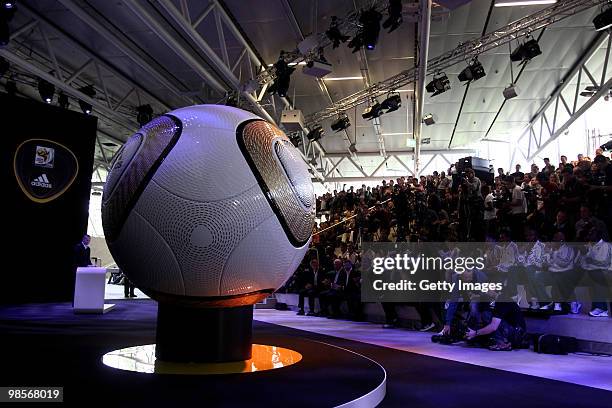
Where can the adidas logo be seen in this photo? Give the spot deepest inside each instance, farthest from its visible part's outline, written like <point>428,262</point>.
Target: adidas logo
<point>41,181</point>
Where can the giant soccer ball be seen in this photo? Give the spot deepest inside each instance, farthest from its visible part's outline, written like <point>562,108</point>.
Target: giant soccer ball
<point>208,203</point>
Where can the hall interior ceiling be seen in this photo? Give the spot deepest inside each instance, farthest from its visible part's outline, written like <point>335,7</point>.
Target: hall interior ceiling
<point>274,25</point>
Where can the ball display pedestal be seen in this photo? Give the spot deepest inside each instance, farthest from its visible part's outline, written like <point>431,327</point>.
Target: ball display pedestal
<point>203,335</point>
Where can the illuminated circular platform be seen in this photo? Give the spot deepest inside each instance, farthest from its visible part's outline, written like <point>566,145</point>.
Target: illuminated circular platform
<point>142,359</point>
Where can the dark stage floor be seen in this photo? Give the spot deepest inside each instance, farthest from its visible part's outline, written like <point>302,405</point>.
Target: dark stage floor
<point>48,345</point>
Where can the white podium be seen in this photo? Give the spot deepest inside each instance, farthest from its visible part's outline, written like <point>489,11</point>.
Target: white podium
<point>89,290</point>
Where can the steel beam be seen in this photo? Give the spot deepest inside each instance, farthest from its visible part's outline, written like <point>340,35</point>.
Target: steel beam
<point>424,23</point>
<point>466,50</point>
<point>552,129</point>
<point>134,55</point>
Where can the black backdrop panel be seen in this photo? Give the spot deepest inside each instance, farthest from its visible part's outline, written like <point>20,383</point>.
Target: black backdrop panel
<point>47,160</point>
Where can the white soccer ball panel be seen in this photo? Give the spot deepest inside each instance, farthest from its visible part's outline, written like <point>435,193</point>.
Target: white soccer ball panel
<point>150,262</point>
<point>205,165</point>
<point>202,235</point>
<point>262,260</point>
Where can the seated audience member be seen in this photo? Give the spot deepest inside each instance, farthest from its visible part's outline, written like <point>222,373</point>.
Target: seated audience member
<point>310,284</point>
<point>587,221</point>
<point>596,262</point>
<point>334,295</point>
<point>507,327</point>
<point>562,275</point>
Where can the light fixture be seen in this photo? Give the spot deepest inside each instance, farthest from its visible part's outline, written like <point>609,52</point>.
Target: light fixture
<point>372,111</point>
<point>144,114</point>
<point>341,123</point>
<point>439,84</point>
<point>392,103</point>
<point>7,11</point>
<point>526,52</point>
<point>511,91</point>
<point>315,134</point>
<point>62,100</point>
<point>515,3</point>
<point>473,72</point>
<point>395,15</point>
<point>589,91</point>
<point>334,34</point>
<point>347,78</point>
<point>604,20</point>
<point>370,19</point>
<point>89,91</point>
<point>46,90</point>
<point>283,77</point>
<point>428,119</point>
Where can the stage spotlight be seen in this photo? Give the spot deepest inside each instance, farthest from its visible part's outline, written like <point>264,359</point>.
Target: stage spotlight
<point>472,72</point>
<point>4,66</point>
<point>526,51</point>
<point>10,87</point>
<point>89,91</point>
<point>341,123</point>
<point>6,14</point>
<point>392,103</point>
<point>511,91</point>
<point>46,90</point>
<point>315,134</point>
<point>370,20</point>
<point>428,119</point>
<point>604,20</point>
<point>606,146</point>
<point>334,34</point>
<point>439,84</point>
<point>62,100</point>
<point>144,114</point>
<point>283,77</point>
<point>395,15</point>
<point>372,111</point>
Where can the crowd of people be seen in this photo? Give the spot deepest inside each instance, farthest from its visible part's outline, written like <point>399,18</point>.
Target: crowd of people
<point>532,220</point>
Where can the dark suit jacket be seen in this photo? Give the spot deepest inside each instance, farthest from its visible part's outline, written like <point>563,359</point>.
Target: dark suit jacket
<point>82,255</point>
<point>307,277</point>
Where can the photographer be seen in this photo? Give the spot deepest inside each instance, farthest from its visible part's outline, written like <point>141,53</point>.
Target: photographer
<point>507,327</point>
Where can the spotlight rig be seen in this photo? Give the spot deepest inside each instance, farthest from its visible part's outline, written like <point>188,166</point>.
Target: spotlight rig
<point>283,77</point>
<point>334,34</point>
<point>439,84</point>
<point>89,91</point>
<point>367,35</point>
<point>395,15</point>
<point>372,111</point>
<point>604,20</point>
<point>316,133</point>
<point>341,123</point>
<point>526,51</point>
<point>392,103</point>
<point>473,72</point>
<point>46,90</point>
<point>7,11</point>
<point>144,114</point>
